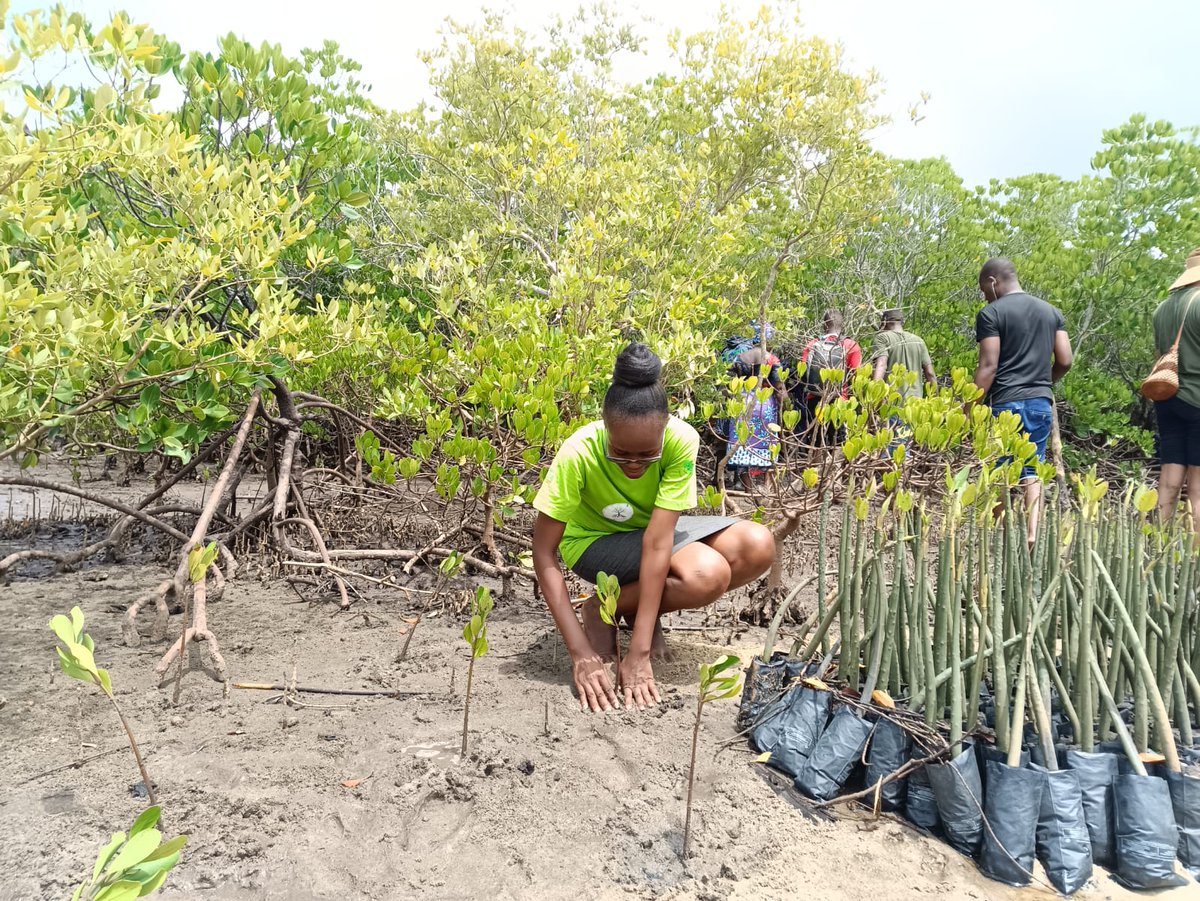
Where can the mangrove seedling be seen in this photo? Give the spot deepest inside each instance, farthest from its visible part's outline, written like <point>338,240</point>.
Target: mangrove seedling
<point>133,865</point>
<point>77,658</point>
<point>447,570</point>
<point>713,687</point>
<point>608,592</point>
<point>475,634</point>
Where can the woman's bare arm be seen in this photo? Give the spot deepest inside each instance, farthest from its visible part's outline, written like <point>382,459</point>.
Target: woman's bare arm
<point>591,678</point>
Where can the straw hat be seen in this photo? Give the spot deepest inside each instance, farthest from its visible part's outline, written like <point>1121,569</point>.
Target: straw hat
<point>1191,274</point>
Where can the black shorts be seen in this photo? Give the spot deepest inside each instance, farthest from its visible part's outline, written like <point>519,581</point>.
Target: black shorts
<point>1178,432</point>
<point>620,554</point>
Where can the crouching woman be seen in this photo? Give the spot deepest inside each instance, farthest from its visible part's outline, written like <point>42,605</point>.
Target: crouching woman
<point>611,502</point>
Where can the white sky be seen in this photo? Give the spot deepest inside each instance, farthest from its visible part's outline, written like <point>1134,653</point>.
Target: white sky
<point>1018,87</point>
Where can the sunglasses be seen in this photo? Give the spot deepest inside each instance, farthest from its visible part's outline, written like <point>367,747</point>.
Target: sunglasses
<point>632,461</point>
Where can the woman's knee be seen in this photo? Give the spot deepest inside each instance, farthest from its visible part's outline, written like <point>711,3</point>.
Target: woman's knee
<point>706,577</point>
<point>750,548</point>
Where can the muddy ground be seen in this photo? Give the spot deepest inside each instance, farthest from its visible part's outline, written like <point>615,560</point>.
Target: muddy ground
<point>549,802</point>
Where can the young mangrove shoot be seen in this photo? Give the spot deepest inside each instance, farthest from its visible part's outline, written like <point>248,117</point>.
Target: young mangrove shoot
<point>608,592</point>
<point>133,865</point>
<point>77,658</point>
<point>713,687</point>
<point>475,635</point>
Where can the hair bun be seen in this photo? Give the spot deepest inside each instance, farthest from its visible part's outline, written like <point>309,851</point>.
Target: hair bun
<point>637,367</point>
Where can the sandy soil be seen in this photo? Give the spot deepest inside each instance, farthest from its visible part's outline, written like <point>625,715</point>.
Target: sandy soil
<point>593,809</point>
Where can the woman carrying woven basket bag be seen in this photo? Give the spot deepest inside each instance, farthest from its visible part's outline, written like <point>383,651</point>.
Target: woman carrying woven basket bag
<point>1174,386</point>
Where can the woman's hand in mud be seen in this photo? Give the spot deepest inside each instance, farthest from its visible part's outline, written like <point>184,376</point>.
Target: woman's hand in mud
<point>595,689</point>
<point>637,678</point>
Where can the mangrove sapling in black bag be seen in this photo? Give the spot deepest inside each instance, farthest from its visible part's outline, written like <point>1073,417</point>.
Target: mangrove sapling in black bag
<point>834,756</point>
<point>1185,799</point>
<point>767,726</point>
<point>889,750</point>
<point>1063,844</point>
<point>764,684</point>
<point>920,806</point>
<point>801,727</point>
<point>1096,772</point>
<point>1146,835</point>
<point>988,753</point>
<point>958,790</point>
<point>1014,803</point>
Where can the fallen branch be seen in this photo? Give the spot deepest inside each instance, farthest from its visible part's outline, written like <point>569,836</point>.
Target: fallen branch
<point>352,692</point>
<point>72,766</point>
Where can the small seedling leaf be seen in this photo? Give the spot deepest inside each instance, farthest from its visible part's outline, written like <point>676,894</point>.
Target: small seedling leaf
<point>120,891</point>
<point>106,855</point>
<point>105,681</point>
<point>199,560</point>
<point>77,620</point>
<point>137,849</point>
<point>480,648</point>
<point>723,663</point>
<point>167,849</point>
<point>155,882</point>
<point>148,819</point>
<point>61,627</point>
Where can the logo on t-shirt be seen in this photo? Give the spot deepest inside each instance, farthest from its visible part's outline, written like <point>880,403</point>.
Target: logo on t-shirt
<point>618,512</point>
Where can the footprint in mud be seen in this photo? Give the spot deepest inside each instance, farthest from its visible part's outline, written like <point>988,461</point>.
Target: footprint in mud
<point>434,751</point>
<point>436,822</point>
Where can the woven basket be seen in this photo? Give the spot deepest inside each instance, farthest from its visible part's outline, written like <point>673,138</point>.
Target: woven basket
<point>1163,381</point>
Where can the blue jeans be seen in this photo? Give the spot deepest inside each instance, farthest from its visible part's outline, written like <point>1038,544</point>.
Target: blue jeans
<point>1036,417</point>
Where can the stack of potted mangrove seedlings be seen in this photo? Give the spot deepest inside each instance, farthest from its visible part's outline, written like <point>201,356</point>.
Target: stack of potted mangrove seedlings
<point>1024,700</point>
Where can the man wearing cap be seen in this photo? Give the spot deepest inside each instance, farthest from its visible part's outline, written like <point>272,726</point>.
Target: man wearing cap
<point>896,347</point>
<point>1024,349</point>
<point>1179,417</point>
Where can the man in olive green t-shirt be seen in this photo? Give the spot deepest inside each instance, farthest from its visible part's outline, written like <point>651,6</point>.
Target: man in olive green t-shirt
<point>893,345</point>
<point>1178,418</point>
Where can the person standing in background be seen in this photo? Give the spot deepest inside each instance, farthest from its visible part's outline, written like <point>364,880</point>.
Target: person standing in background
<point>832,350</point>
<point>1178,433</point>
<point>894,346</point>
<point>757,455</point>
<point>1024,349</point>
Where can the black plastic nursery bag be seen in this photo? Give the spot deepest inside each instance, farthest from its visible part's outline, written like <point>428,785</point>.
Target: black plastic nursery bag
<point>1096,773</point>
<point>768,725</point>
<point>890,747</point>
<point>1063,844</point>
<point>764,683</point>
<point>800,727</point>
<point>1013,806</point>
<point>1185,799</point>
<point>1146,835</point>
<point>833,757</point>
<point>959,792</point>
<point>920,806</point>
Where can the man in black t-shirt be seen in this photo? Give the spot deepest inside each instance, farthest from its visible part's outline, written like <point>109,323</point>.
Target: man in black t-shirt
<point>1023,350</point>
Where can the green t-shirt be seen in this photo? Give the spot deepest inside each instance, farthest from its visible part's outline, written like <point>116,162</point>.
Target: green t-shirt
<point>1166,327</point>
<point>594,498</point>
<point>907,349</point>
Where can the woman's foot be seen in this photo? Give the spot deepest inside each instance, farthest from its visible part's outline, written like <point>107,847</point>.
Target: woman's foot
<point>600,635</point>
<point>658,641</point>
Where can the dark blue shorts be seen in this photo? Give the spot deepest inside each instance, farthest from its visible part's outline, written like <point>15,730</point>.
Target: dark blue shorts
<point>1178,432</point>
<point>1037,415</point>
